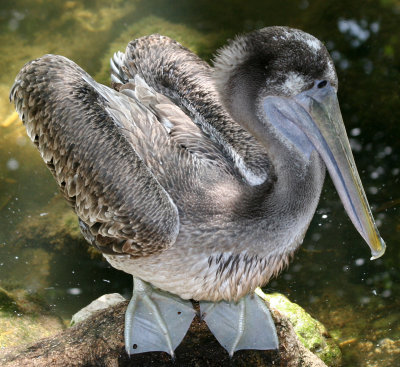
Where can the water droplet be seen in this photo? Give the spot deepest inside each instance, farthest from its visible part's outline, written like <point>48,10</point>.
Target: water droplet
<point>360,261</point>
<point>74,291</point>
<point>355,145</point>
<point>12,164</point>
<point>386,293</point>
<point>388,150</point>
<point>303,4</point>
<point>287,277</point>
<point>355,132</point>
<point>344,64</point>
<point>374,175</point>
<point>365,300</point>
<point>296,268</point>
<point>316,236</point>
<point>374,26</point>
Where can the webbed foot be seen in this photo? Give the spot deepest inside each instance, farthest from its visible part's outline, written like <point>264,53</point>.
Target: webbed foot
<point>246,324</point>
<point>155,320</point>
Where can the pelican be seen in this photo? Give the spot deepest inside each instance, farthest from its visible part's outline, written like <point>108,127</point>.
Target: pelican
<point>199,181</point>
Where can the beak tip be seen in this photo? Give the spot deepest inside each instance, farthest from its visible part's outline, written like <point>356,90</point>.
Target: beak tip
<point>376,254</point>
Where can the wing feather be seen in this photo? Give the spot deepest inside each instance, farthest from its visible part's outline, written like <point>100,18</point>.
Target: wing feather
<point>91,137</point>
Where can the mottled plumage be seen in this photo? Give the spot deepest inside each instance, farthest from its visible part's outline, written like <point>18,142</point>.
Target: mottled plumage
<point>199,180</point>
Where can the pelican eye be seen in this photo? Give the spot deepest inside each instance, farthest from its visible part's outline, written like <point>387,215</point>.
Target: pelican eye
<point>322,84</point>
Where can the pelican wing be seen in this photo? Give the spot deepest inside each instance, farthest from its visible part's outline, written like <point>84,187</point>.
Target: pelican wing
<point>91,137</point>
<point>171,123</point>
<point>188,81</point>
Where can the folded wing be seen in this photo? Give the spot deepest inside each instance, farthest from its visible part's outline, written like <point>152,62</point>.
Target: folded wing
<point>91,137</point>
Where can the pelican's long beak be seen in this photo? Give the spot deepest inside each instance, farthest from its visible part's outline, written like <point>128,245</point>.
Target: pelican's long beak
<point>317,114</point>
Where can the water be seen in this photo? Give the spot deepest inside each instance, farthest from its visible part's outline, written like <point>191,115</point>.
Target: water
<point>331,276</point>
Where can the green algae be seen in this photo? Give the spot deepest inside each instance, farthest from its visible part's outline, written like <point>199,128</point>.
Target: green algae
<point>201,43</point>
<point>310,332</point>
<point>41,240</point>
<point>25,318</point>
<point>7,302</point>
<point>55,227</point>
<point>68,28</point>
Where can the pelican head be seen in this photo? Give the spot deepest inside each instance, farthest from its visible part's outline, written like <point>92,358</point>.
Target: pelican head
<point>281,85</point>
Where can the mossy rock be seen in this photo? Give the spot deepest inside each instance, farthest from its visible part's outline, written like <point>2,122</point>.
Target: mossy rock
<point>20,329</point>
<point>310,332</point>
<point>25,319</point>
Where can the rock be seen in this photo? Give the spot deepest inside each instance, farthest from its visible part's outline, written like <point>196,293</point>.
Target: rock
<point>98,341</point>
<point>310,332</point>
<point>98,304</point>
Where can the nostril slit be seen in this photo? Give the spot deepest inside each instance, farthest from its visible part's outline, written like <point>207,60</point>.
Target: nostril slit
<point>322,84</point>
